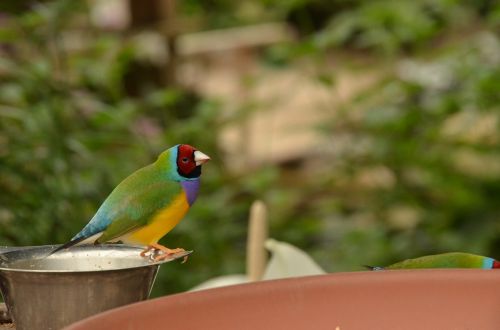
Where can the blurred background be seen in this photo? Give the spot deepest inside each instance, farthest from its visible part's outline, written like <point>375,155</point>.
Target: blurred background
<point>369,128</point>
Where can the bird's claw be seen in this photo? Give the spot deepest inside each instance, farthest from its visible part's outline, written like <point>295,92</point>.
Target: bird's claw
<point>144,253</point>
<point>160,253</point>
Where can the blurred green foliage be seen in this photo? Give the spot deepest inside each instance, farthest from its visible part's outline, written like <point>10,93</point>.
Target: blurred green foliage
<point>69,132</point>
<point>412,168</point>
<point>418,160</point>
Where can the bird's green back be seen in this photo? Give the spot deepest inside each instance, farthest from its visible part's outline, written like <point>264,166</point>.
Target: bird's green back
<point>445,260</point>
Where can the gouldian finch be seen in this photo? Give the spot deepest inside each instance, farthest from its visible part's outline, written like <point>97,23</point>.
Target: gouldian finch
<point>445,260</point>
<point>147,204</point>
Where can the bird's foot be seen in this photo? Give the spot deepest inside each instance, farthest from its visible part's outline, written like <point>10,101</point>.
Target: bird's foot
<point>161,252</point>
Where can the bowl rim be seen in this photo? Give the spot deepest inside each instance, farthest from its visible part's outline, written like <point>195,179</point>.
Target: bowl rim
<point>43,250</point>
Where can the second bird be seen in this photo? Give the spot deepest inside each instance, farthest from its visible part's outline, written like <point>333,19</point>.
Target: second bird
<point>147,204</point>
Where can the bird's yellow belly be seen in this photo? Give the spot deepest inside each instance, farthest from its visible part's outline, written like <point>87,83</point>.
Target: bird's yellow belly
<point>163,222</point>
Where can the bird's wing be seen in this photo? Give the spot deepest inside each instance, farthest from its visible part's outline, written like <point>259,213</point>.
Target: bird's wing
<point>131,204</point>
<point>118,228</point>
<point>139,207</point>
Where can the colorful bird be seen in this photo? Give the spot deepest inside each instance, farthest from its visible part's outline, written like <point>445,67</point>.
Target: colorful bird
<point>147,204</point>
<point>444,260</point>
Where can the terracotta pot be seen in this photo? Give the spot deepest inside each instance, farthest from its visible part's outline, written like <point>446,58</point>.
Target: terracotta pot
<point>388,300</point>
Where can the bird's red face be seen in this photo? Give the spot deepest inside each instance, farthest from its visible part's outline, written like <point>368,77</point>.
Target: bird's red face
<point>189,161</point>
<point>496,264</point>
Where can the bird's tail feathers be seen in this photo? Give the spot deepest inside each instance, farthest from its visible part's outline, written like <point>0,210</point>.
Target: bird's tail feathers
<point>75,242</point>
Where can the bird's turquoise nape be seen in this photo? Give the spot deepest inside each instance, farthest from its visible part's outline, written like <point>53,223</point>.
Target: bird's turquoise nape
<point>148,204</point>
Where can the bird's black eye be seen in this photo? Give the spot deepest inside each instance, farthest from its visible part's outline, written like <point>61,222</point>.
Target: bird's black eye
<point>185,160</point>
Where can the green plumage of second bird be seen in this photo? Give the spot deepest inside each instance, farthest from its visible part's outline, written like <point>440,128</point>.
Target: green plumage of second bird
<point>445,260</point>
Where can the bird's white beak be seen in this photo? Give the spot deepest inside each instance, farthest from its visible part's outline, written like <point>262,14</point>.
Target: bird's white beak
<point>200,158</point>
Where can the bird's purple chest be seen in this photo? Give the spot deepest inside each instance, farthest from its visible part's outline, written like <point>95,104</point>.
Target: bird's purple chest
<point>191,190</point>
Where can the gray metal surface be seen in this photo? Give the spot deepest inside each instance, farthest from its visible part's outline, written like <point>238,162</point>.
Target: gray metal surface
<point>4,249</point>
<point>51,292</point>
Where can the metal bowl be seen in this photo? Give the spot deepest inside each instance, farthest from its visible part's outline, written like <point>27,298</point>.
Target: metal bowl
<point>50,292</point>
